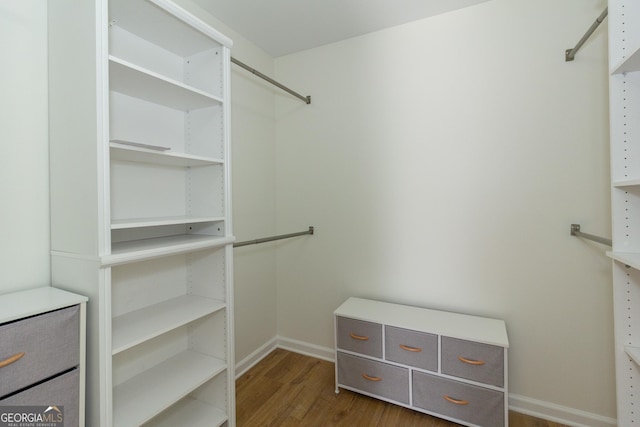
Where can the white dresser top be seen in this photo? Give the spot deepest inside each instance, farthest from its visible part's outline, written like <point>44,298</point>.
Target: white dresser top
<point>454,325</point>
<point>18,305</point>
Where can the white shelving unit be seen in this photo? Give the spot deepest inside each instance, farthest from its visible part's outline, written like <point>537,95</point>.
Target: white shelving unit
<point>624,88</point>
<point>140,206</point>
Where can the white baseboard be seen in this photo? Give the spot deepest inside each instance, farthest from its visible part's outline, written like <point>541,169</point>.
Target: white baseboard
<point>307,349</point>
<point>525,405</point>
<point>557,413</point>
<point>252,359</point>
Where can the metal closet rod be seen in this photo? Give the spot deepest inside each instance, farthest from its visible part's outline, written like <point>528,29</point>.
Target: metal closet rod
<point>271,239</point>
<point>570,54</point>
<point>306,99</point>
<point>575,231</point>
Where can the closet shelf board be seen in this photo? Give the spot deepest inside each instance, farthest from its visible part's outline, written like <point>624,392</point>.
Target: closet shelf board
<point>129,79</point>
<point>139,250</point>
<point>138,326</point>
<point>154,222</point>
<point>123,152</point>
<point>633,353</point>
<point>191,412</point>
<point>144,396</point>
<point>164,26</point>
<point>626,183</point>
<point>629,64</point>
<point>630,259</point>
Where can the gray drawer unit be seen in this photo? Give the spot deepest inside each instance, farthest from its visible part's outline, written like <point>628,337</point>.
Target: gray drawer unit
<point>474,361</point>
<point>411,348</point>
<point>42,351</point>
<point>38,347</point>
<point>466,402</point>
<point>445,364</point>
<point>381,379</point>
<point>61,391</point>
<point>359,336</point>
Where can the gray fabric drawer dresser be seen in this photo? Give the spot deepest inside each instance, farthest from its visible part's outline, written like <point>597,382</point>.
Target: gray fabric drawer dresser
<point>449,365</point>
<point>42,355</point>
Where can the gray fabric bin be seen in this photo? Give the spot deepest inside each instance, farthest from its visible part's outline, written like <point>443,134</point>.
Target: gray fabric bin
<point>475,405</point>
<point>380,379</point>
<point>50,343</point>
<point>359,336</point>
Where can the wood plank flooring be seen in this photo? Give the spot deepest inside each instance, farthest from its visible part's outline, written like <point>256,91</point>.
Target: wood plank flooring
<point>290,389</point>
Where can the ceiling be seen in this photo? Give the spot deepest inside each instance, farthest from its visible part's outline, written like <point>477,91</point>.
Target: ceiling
<point>281,27</point>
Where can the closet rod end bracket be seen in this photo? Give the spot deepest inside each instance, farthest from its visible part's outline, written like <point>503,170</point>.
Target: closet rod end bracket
<point>311,230</point>
<point>575,228</point>
<point>308,99</point>
<point>569,56</point>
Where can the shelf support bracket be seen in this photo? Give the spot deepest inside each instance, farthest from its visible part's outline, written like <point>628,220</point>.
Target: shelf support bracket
<point>575,231</point>
<point>570,54</point>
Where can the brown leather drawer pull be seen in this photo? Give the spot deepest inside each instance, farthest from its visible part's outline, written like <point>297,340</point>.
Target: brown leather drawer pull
<point>411,349</point>
<point>370,378</point>
<point>358,337</point>
<point>8,361</point>
<point>456,401</point>
<point>470,361</point>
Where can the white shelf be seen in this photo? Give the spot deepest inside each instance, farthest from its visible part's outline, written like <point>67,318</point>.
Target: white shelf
<point>629,64</point>
<point>146,395</point>
<point>154,222</point>
<point>628,258</point>
<point>626,183</point>
<point>633,353</point>
<point>160,90</point>
<point>192,413</point>
<point>138,250</point>
<point>129,79</point>
<point>121,151</point>
<point>141,325</point>
<point>166,29</point>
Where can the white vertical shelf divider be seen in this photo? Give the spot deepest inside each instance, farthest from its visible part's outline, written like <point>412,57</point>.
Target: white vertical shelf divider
<point>141,207</point>
<point>624,88</point>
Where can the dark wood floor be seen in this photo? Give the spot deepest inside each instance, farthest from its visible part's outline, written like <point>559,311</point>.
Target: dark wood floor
<point>289,389</point>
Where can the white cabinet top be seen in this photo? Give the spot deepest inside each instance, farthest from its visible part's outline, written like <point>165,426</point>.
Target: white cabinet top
<point>22,304</point>
<point>454,325</point>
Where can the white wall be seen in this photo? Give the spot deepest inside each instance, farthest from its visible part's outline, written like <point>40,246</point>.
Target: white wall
<point>24,163</point>
<point>442,163</point>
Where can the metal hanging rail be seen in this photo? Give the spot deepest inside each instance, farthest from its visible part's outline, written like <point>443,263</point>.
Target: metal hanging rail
<point>271,239</point>
<point>570,54</point>
<point>306,99</point>
<point>575,231</point>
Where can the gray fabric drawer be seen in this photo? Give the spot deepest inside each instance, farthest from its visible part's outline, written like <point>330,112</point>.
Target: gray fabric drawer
<point>359,336</point>
<point>50,343</point>
<point>475,405</point>
<point>484,362</point>
<point>387,381</point>
<point>411,348</point>
<point>59,391</point>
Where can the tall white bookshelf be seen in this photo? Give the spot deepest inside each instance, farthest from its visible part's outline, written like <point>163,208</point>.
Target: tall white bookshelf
<point>140,207</point>
<point>624,88</point>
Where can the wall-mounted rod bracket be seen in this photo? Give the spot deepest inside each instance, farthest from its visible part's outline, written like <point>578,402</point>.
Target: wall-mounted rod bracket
<point>271,239</point>
<point>570,54</point>
<point>575,231</point>
<point>305,99</point>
